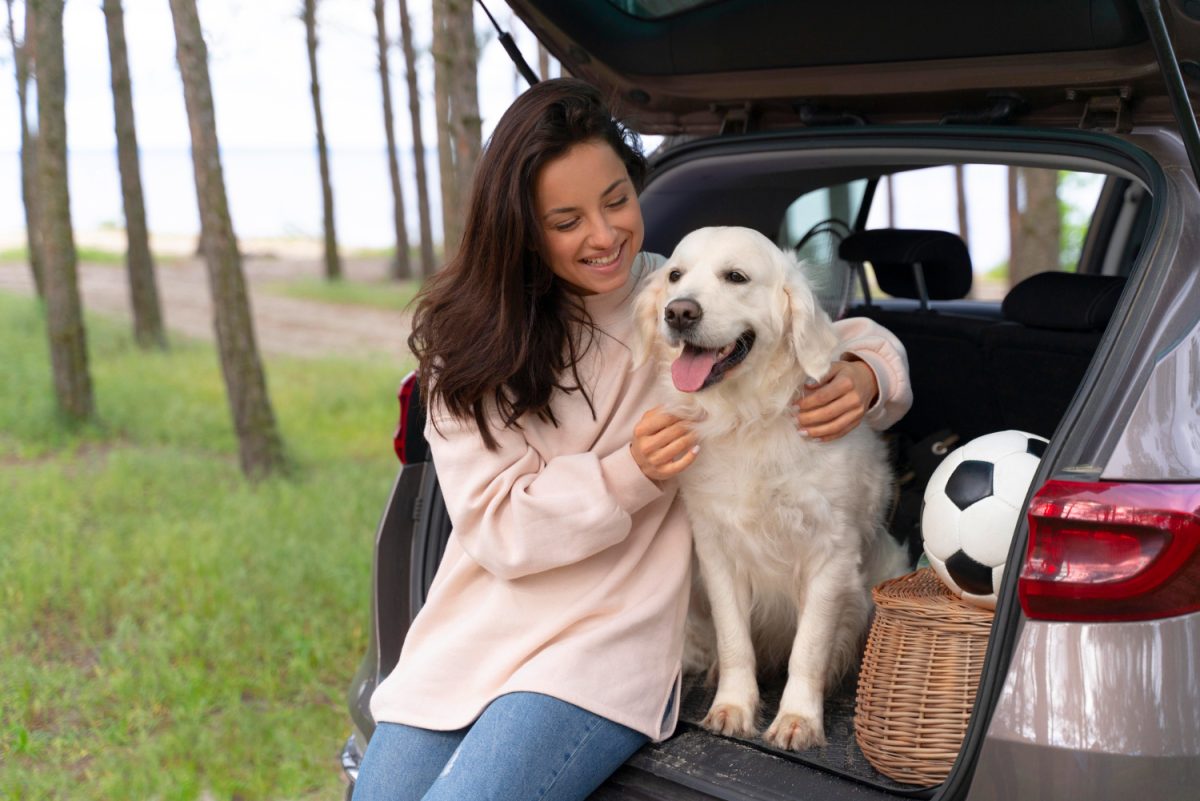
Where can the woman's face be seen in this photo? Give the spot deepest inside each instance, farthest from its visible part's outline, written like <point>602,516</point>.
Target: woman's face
<point>591,221</point>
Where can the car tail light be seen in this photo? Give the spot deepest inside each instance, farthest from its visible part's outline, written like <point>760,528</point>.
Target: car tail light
<point>1103,551</point>
<point>407,386</point>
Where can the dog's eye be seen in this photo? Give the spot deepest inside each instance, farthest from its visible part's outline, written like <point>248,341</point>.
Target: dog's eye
<point>674,275</point>
<point>736,277</point>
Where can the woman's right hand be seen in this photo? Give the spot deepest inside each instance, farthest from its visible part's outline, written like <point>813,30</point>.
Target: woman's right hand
<point>663,445</point>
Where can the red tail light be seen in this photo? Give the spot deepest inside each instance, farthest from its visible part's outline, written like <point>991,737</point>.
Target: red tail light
<point>1103,551</point>
<point>404,395</point>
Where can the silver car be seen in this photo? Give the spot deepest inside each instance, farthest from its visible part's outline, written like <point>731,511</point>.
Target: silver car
<point>801,120</point>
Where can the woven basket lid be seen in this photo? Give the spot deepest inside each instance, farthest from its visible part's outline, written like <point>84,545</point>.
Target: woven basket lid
<point>922,594</point>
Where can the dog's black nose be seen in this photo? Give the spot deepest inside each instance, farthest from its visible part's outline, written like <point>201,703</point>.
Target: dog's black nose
<point>682,313</point>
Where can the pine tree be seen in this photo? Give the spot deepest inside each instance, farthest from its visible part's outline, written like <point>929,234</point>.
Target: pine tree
<point>259,445</point>
<point>64,312</point>
<point>333,264</point>
<point>456,97</point>
<point>143,289</point>
<point>22,61</point>
<point>401,268</point>
<point>414,109</point>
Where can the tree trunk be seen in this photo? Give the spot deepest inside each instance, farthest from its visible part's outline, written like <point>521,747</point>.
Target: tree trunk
<point>414,109</point>
<point>401,268</point>
<point>143,291</point>
<point>1039,227</point>
<point>891,201</point>
<point>64,312</point>
<point>333,266</point>
<point>960,186</point>
<point>22,57</point>
<point>1014,217</point>
<point>459,128</point>
<point>259,445</point>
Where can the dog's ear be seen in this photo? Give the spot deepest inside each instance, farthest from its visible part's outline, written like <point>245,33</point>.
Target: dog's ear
<point>810,331</point>
<point>645,314</point>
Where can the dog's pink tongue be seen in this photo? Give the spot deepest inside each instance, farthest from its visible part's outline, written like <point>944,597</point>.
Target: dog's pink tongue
<point>692,368</point>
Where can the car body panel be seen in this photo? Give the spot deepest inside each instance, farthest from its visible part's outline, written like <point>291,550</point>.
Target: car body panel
<point>1105,710</point>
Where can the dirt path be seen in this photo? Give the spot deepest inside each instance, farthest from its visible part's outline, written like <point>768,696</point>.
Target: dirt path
<point>283,325</point>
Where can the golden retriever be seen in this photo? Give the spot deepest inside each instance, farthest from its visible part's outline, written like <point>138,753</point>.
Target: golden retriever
<point>789,533</point>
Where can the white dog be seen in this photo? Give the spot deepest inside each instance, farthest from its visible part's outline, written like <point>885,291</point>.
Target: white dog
<point>789,533</point>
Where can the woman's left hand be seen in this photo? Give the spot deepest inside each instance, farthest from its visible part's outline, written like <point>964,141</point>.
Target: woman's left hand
<point>835,406</point>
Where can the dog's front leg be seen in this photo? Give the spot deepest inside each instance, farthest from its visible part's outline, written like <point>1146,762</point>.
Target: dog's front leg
<point>735,707</point>
<point>799,723</point>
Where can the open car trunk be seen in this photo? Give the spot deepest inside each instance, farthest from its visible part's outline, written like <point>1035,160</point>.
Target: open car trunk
<point>759,182</point>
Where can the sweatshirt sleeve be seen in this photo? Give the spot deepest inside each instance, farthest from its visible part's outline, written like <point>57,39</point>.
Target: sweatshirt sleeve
<point>517,514</point>
<point>867,340</point>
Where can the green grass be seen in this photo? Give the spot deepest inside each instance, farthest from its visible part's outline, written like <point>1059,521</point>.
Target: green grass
<point>392,295</point>
<point>169,629</point>
<point>82,254</point>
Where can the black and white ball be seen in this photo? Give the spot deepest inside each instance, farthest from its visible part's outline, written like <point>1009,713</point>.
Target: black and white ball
<point>973,502</point>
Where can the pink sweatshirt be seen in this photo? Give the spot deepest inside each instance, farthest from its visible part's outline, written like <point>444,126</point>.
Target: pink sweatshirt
<point>567,572</point>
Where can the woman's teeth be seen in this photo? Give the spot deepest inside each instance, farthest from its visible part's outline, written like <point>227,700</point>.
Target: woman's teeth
<point>603,261</point>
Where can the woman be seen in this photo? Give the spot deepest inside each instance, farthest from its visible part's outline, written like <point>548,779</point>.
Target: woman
<point>549,648</point>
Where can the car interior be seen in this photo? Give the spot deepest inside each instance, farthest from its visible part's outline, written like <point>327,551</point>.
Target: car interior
<point>981,358</point>
<point>984,356</point>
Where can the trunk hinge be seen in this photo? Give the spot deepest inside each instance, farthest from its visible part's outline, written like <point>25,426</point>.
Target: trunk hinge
<point>1105,108</point>
<point>735,117</point>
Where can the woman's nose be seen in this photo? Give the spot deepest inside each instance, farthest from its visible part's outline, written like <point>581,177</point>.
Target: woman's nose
<point>601,235</point>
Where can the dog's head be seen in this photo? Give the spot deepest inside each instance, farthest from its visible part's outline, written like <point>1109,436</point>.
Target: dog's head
<point>729,303</point>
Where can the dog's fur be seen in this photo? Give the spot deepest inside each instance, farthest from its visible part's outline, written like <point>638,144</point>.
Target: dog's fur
<point>789,533</point>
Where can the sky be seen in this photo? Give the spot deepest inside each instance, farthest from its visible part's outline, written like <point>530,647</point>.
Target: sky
<point>259,72</point>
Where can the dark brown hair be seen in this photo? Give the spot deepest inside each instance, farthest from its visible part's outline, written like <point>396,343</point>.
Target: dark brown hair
<point>496,330</point>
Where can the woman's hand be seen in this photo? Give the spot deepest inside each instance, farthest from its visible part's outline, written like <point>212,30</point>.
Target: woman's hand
<point>835,406</point>
<point>663,445</point>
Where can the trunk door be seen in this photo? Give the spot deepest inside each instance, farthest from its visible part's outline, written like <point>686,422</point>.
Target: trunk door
<point>701,67</point>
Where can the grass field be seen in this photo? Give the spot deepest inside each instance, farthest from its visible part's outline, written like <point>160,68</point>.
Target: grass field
<point>168,630</point>
<point>391,295</point>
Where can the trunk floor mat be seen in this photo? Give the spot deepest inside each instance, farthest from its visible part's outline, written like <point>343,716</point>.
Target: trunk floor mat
<point>840,755</point>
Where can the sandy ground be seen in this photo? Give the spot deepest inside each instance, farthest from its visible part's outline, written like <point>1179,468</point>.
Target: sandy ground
<point>282,325</point>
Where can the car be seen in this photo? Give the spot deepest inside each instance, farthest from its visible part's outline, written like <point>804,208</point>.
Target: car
<point>798,119</point>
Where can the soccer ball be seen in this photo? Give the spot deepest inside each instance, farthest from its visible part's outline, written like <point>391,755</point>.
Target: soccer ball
<point>973,502</point>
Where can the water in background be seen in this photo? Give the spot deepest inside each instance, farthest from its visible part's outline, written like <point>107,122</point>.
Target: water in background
<point>272,193</point>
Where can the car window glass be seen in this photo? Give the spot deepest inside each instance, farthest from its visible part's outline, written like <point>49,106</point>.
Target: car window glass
<point>1016,221</point>
<point>813,227</point>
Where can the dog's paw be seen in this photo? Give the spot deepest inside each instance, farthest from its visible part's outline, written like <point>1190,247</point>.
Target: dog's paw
<point>730,720</point>
<point>793,732</point>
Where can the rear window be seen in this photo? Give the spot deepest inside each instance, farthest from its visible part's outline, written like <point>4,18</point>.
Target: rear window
<point>657,9</point>
<point>1015,221</point>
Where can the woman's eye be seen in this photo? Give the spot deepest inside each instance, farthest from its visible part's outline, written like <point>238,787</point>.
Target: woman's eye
<point>565,226</point>
<point>619,202</point>
<point>735,277</point>
<point>674,276</point>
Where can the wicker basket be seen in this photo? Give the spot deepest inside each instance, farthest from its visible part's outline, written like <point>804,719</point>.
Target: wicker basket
<point>918,679</point>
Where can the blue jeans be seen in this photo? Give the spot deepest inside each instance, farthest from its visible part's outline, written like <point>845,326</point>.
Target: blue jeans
<point>524,747</point>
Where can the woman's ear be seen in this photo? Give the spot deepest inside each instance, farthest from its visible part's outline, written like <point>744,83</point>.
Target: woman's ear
<point>646,309</point>
<point>811,333</point>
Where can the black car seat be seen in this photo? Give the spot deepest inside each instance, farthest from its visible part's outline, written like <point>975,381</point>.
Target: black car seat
<point>945,351</point>
<point>1036,359</point>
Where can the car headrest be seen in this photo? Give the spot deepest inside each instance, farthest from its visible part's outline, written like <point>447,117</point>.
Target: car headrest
<point>1064,301</point>
<point>943,257</point>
